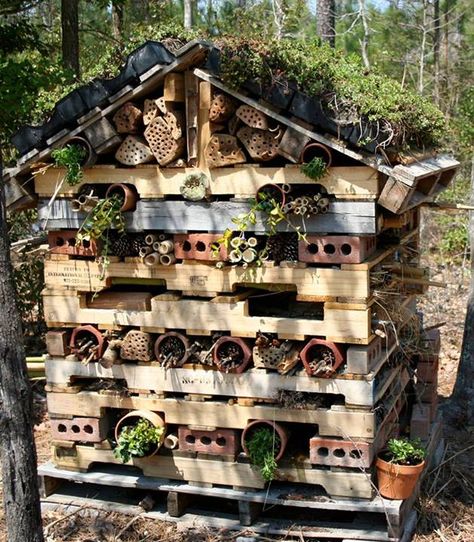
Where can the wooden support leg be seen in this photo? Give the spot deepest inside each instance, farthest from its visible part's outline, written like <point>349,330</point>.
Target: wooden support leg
<point>48,485</point>
<point>249,512</point>
<point>177,503</point>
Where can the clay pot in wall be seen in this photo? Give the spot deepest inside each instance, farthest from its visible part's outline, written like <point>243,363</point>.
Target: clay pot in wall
<point>132,417</point>
<point>81,336</point>
<point>316,150</point>
<point>174,343</point>
<point>260,424</point>
<point>234,348</point>
<point>333,352</point>
<point>126,193</point>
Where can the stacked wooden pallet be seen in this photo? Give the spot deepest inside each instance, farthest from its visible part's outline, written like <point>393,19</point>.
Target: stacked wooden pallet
<point>304,331</point>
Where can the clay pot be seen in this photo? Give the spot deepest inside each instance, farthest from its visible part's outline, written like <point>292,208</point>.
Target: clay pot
<point>184,341</point>
<point>126,193</point>
<point>260,424</point>
<point>91,333</point>
<point>316,150</point>
<point>397,481</point>
<point>306,355</point>
<point>131,417</point>
<point>217,352</point>
<point>272,191</point>
<point>91,157</point>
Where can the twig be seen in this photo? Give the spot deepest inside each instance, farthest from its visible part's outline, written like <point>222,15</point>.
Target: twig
<point>452,457</point>
<point>59,520</point>
<point>127,526</point>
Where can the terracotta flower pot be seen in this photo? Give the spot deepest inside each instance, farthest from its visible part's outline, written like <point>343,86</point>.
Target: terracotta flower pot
<point>219,351</point>
<point>272,191</point>
<point>397,481</point>
<point>316,150</point>
<point>132,417</point>
<point>180,340</point>
<point>91,157</point>
<point>309,351</point>
<point>81,335</point>
<point>128,196</point>
<point>262,424</point>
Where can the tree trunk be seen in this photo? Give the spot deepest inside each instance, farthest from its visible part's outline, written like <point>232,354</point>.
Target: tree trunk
<point>463,394</point>
<point>188,14</point>
<point>70,35</point>
<point>436,50</point>
<point>17,448</point>
<point>117,20</point>
<point>325,20</point>
<point>364,42</point>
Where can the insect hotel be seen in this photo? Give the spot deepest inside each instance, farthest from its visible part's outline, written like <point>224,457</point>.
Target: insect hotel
<point>230,293</point>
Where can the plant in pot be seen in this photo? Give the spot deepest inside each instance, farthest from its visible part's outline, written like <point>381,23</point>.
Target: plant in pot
<point>399,467</point>
<point>138,434</point>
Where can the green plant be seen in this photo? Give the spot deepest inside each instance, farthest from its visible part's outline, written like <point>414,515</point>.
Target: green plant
<point>405,452</point>
<point>263,446</point>
<point>137,440</point>
<point>314,169</point>
<point>70,157</point>
<point>96,226</point>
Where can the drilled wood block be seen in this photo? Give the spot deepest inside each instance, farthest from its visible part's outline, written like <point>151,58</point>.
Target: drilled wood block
<point>134,151</point>
<point>340,453</point>
<point>64,242</point>
<point>57,343</point>
<point>80,429</point>
<point>137,346</point>
<point>223,150</point>
<point>336,249</point>
<point>198,246</point>
<point>252,117</point>
<point>262,145</point>
<point>128,119</point>
<point>217,442</point>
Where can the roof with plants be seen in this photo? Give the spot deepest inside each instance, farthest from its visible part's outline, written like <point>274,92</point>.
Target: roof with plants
<point>365,115</point>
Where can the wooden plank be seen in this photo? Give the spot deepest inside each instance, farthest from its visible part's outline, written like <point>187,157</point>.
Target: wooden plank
<point>204,126</point>
<point>191,88</point>
<point>355,217</point>
<point>174,87</point>
<point>342,484</point>
<point>331,422</point>
<point>352,183</point>
<point>253,383</point>
<point>352,325</point>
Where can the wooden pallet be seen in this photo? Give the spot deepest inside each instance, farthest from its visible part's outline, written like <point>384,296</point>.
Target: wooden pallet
<point>341,483</point>
<point>151,377</point>
<point>343,217</point>
<point>152,182</point>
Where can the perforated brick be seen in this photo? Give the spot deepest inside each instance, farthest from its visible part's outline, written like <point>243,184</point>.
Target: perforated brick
<point>137,346</point>
<point>361,359</point>
<point>198,246</point>
<point>64,242</point>
<point>336,249</point>
<point>80,429</point>
<point>218,442</point>
<point>340,453</point>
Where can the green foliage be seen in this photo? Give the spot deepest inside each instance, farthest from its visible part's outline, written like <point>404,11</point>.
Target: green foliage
<point>314,169</point>
<point>405,452</point>
<point>263,446</point>
<point>70,157</point>
<point>137,440</point>
<point>346,89</point>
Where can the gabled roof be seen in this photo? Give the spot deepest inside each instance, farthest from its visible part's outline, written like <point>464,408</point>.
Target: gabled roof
<point>143,71</point>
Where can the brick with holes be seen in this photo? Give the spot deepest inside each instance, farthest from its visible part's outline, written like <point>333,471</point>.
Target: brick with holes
<point>80,429</point>
<point>64,242</point>
<point>361,359</point>
<point>198,246</point>
<point>336,249</point>
<point>340,453</point>
<point>218,442</point>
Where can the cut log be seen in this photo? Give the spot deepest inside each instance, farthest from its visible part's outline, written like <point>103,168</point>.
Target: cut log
<point>223,150</point>
<point>262,145</point>
<point>222,108</point>
<point>150,111</point>
<point>162,143</point>
<point>127,119</point>
<point>174,87</point>
<point>252,117</point>
<point>102,136</point>
<point>134,151</point>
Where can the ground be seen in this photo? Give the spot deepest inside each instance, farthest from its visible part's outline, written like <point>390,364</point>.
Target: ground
<point>446,509</point>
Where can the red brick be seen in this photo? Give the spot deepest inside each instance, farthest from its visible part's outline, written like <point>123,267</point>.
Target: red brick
<point>80,429</point>
<point>340,453</point>
<point>197,246</point>
<point>427,393</point>
<point>336,249</point>
<point>420,423</point>
<point>427,371</point>
<point>64,242</point>
<point>218,442</point>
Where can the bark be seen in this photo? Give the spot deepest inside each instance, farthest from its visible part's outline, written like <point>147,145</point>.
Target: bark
<point>364,42</point>
<point>326,21</point>
<point>188,14</point>
<point>17,448</point>
<point>424,34</point>
<point>70,35</point>
<point>279,18</point>
<point>117,20</point>
<point>436,51</point>
<point>463,394</point>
